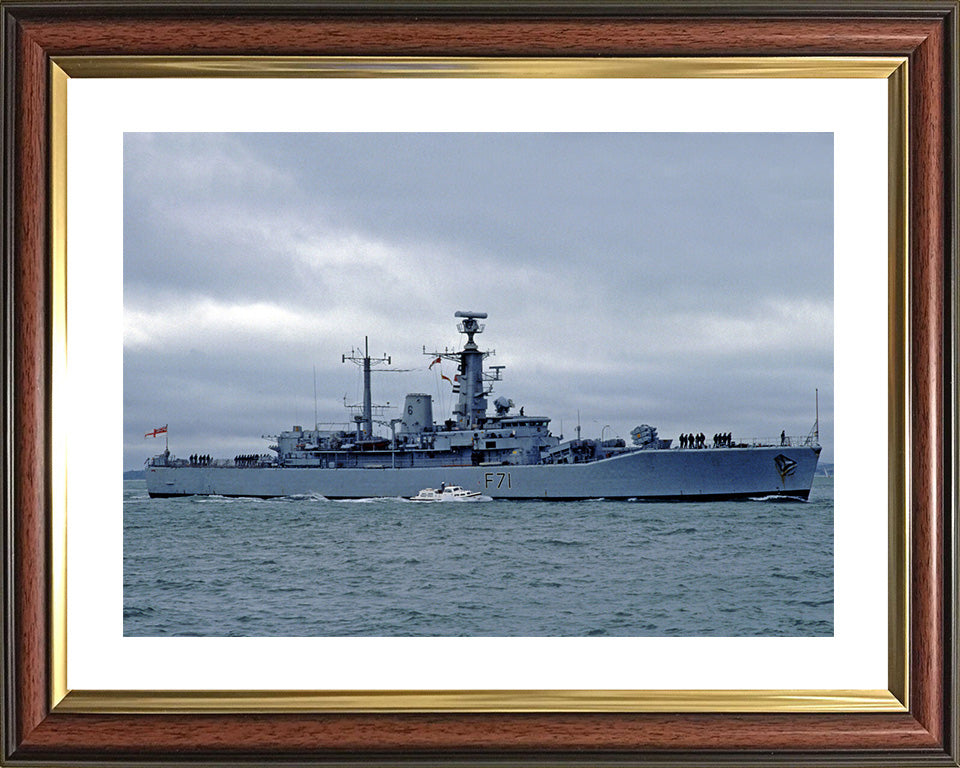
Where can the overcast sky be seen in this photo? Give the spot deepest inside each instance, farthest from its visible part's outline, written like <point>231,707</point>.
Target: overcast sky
<point>679,280</point>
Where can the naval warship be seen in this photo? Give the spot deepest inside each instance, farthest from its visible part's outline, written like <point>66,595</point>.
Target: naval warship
<point>504,454</point>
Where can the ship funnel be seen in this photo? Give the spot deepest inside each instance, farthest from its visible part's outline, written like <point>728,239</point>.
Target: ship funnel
<point>467,313</point>
<point>417,413</point>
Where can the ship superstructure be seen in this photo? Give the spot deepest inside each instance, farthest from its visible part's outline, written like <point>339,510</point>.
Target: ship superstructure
<point>504,454</point>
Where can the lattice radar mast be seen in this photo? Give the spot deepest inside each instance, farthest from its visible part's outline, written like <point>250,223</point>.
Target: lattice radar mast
<point>366,362</point>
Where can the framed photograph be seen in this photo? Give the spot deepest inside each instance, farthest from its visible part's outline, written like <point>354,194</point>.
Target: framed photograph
<point>258,258</point>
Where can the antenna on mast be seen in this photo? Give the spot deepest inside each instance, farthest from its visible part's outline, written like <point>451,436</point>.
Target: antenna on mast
<point>364,361</point>
<point>817,422</point>
<point>316,423</point>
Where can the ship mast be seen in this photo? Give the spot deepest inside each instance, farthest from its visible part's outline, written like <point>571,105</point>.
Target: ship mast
<point>471,407</point>
<point>366,362</point>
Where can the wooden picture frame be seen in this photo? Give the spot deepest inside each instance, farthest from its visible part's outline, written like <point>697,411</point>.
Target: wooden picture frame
<point>37,730</point>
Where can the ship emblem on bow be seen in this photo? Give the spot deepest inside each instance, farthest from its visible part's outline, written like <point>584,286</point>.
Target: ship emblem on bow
<point>785,466</point>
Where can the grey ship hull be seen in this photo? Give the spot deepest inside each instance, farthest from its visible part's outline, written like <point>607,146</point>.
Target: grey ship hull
<point>710,473</point>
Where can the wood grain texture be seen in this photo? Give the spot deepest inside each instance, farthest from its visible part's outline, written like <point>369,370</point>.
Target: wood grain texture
<point>301,734</point>
<point>928,407</point>
<point>30,378</point>
<point>489,37</point>
<point>42,736</point>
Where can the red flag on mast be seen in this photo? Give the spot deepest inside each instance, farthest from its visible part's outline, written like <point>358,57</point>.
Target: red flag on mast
<point>433,363</point>
<point>158,431</point>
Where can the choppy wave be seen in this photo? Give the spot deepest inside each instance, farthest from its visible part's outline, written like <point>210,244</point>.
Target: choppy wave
<point>305,497</point>
<point>371,500</point>
<point>214,499</point>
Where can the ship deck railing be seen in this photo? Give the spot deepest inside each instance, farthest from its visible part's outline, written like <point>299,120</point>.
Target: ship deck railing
<point>788,441</point>
<point>159,461</point>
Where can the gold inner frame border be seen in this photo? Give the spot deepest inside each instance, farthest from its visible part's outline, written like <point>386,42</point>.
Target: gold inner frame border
<point>895,699</point>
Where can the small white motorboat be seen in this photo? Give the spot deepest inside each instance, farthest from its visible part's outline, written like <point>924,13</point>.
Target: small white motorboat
<point>446,493</point>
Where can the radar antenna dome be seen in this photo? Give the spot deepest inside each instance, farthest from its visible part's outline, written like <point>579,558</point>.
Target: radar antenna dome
<point>468,313</point>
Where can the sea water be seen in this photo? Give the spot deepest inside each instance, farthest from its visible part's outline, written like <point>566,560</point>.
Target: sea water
<point>305,566</point>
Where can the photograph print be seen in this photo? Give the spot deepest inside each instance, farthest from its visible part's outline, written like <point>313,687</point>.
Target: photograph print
<point>478,384</point>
